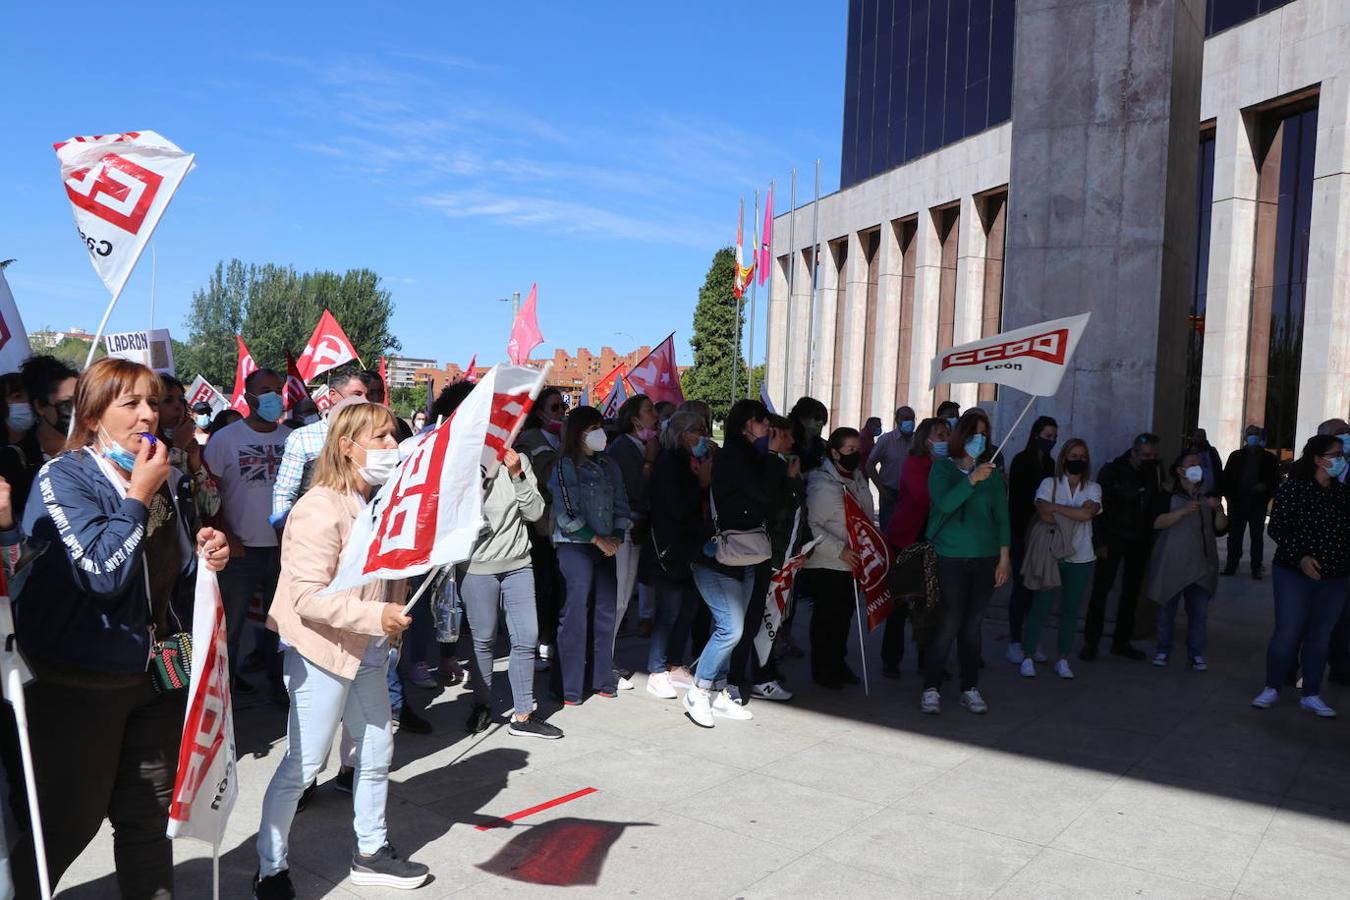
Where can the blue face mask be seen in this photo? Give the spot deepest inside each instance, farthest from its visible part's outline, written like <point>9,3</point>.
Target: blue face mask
<point>762,445</point>
<point>270,406</point>
<point>906,426</point>
<point>1345,442</point>
<point>951,423</point>
<point>700,450</point>
<point>1337,468</point>
<point>940,449</point>
<point>116,454</point>
<point>203,421</point>
<point>21,416</point>
<point>975,446</point>
<point>1253,440</point>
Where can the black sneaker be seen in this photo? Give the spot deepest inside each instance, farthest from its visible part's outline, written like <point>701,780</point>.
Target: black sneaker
<point>307,796</point>
<point>479,720</point>
<point>1229,570</point>
<point>385,868</point>
<point>1257,572</point>
<point>1129,651</point>
<point>273,887</point>
<point>408,720</point>
<point>533,727</point>
<point>345,776</point>
<point>890,670</point>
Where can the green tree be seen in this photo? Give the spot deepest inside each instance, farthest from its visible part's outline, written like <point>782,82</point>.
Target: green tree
<point>275,309</point>
<point>405,401</point>
<point>73,352</point>
<point>716,319</point>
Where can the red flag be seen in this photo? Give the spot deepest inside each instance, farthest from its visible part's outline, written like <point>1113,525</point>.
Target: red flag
<point>206,786</point>
<point>469,375</point>
<point>657,375</point>
<point>328,348</point>
<point>605,385</point>
<point>384,380</point>
<point>776,604</point>
<point>525,333</point>
<point>766,238</point>
<point>242,369</point>
<point>324,398</point>
<point>295,390</point>
<point>874,561</point>
<point>617,396</point>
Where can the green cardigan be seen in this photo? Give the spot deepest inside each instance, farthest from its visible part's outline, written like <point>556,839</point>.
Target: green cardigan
<point>967,521</point>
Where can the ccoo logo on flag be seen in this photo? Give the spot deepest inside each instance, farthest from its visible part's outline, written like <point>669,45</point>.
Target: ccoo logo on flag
<point>116,190</point>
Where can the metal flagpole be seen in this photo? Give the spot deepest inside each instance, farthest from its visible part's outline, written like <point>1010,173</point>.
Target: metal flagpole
<point>768,298</point>
<point>815,284</point>
<point>1007,437</point>
<point>754,284</point>
<point>862,647</point>
<point>792,295</point>
<point>736,338</point>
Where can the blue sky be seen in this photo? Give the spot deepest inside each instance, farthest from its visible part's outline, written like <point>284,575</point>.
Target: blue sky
<point>460,150</point>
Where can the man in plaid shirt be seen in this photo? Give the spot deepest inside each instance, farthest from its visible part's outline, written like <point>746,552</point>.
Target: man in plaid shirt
<point>303,447</point>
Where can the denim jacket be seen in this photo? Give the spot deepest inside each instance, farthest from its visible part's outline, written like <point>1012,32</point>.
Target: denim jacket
<point>588,500</point>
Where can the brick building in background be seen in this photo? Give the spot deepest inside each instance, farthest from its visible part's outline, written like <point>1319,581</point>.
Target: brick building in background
<point>572,373</point>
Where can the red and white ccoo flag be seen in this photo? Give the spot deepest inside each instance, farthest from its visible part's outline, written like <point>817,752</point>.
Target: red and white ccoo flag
<point>328,348</point>
<point>874,561</point>
<point>206,787</point>
<point>1032,359</point>
<point>295,391</point>
<point>775,606</point>
<point>119,186</point>
<point>244,367</point>
<point>431,512</point>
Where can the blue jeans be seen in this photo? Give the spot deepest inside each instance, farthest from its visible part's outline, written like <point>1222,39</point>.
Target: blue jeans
<point>670,624</point>
<point>586,630</point>
<point>256,572</point>
<point>1196,599</point>
<point>319,699</point>
<point>727,598</point>
<point>486,599</point>
<point>1305,612</point>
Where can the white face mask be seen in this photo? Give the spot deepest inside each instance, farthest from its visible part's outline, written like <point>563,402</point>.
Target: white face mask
<point>596,441</point>
<point>379,467</point>
<point>1194,474</point>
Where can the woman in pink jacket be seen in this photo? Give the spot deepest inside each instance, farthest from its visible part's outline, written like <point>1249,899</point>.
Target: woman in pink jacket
<point>337,647</point>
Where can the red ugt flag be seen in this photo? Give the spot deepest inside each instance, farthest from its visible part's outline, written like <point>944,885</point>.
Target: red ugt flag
<point>242,369</point>
<point>874,561</point>
<point>525,333</point>
<point>328,348</point>
<point>658,376</point>
<point>295,390</point>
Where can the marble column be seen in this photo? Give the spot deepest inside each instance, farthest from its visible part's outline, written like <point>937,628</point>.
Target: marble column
<point>1102,206</point>
<point>969,319</point>
<point>887,322</point>
<point>927,284</point>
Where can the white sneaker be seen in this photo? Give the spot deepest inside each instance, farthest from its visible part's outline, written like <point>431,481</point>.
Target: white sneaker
<point>624,684</point>
<point>770,690</point>
<point>1028,668</point>
<point>931,704</point>
<point>698,707</point>
<point>972,701</point>
<point>1062,669</point>
<point>1198,664</point>
<point>681,678</point>
<point>1160,659</point>
<point>723,705</point>
<point>1040,656</point>
<point>1266,699</point>
<point>658,685</point>
<point>1317,707</point>
<point>1016,654</point>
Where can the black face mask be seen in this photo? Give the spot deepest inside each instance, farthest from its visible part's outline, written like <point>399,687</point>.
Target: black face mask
<point>1075,466</point>
<point>849,461</point>
<point>64,411</point>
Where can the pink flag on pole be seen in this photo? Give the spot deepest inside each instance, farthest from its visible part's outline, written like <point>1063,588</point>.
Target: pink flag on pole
<point>657,375</point>
<point>525,333</point>
<point>766,238</point>
<point>469,375</point>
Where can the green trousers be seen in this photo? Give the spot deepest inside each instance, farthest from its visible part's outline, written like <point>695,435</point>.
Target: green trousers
<point>1074,581</point>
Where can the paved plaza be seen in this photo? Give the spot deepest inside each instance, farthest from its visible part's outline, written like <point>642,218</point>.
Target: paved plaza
<point>1130,781</point>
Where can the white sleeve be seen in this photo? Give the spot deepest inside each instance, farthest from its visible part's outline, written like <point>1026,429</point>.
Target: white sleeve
<point>1094,495</point>
<point>1046,490</point>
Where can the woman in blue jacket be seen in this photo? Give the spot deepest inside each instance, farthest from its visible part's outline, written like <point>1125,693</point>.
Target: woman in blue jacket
<point>590,508</point>
<point>115,531</point>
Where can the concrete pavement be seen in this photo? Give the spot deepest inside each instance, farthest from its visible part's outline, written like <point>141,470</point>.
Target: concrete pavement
<point>1130,781</point>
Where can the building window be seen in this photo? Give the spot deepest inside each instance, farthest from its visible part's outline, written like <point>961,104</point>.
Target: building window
<point>993,213</point>
<point>871,244</point>
<point>1195,328</point>
<point>1280,273</point>
<point>921,74</point>
<point>905,230</point>
<point>1222,14</point>
<point>948,223</point>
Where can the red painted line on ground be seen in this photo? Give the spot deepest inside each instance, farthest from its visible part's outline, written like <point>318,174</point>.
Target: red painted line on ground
<point>517,816</point>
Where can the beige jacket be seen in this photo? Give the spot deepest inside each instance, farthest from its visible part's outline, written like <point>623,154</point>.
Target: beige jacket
<point>329,631</point>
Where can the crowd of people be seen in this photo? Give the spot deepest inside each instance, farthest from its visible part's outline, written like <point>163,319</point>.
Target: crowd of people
<point>114,493</point>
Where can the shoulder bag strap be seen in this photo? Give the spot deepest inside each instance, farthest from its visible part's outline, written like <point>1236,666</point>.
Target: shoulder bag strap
<point>562,486</point>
